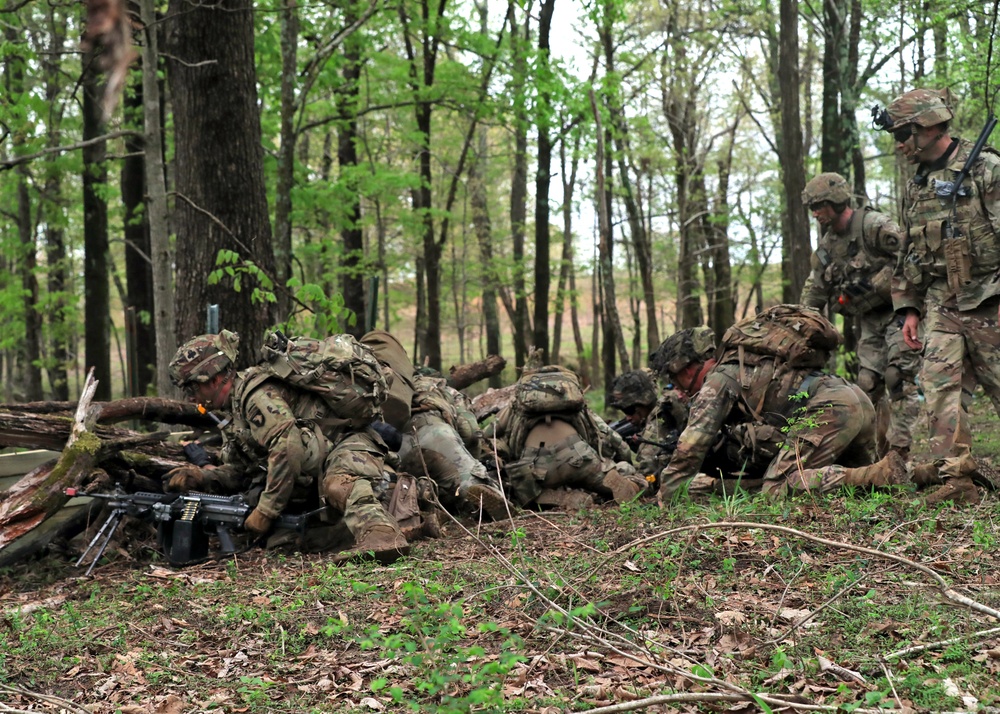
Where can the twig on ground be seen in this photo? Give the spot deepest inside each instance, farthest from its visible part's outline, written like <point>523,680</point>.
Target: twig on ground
<point>826,665</point>
<point>942,643</point>
<point>47,698</point>
<point>888,678</point>
<point>815,612</point>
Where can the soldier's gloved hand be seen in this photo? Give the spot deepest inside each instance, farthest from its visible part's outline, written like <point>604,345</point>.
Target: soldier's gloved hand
<point>185,478</point>
<point>257,522</point>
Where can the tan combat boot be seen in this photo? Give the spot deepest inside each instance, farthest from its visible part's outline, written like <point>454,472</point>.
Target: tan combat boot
<point>961,491</point>
<point>926,474</point>
<point>382,542</point>
<point>486,499</point>
<point>623,489</point>
<point>890,471</point>
<point>572,499</point>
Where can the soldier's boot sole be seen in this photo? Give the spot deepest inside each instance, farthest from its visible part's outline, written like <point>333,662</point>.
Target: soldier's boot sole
<point>488,500</point>
<point>623,490</point>
<point>960,491</point>
<point>381,542</point>
<point>565,499</point>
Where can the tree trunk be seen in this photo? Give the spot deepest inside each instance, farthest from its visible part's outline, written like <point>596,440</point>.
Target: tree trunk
<point>221,201</point>
<point>568,174</point>
<point>59,330</point>
<point>519,190</point>
<point>352,236</point>
<point>484,237</point>
<point>138,267</point>
<point>542,180</point>
<point>156,202</point>
<point>289,20</point>
<point>797,247</point>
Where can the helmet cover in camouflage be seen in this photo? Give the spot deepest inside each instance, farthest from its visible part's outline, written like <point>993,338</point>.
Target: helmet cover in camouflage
<point>632,389</point>
<point>827,187</point>
<point>202,357</point>
<point>695,344</point>
<point>924,107</point>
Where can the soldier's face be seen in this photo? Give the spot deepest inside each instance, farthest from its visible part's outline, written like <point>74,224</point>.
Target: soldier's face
<point>905,145</point>
<point>823,213</point>
<point>213,394</point>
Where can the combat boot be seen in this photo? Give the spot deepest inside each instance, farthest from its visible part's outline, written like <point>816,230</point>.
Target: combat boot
<point>961,491</point>
<point>572,499</point>
<point>623,489</point>
<point>486,499</point>
<point>382,542</point>
<point>890,471</point>
<point>926,474</point>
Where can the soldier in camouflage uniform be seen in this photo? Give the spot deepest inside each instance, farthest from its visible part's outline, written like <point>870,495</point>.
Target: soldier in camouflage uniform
<point>572,448</point>
<point>947,280</point>
<point>443,437</point>
<point>660,419</point>
<point>278,439</point>
<point>834,439</point>
<point>852,274</point>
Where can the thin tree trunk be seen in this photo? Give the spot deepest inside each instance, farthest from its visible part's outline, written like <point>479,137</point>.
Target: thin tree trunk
<point>289,19</point>
<point>484,237</point>
<point>519,192</point>
<point>156,203</point>
<point>566,264</point>
<point>542,181</point>
<point>97,310</point>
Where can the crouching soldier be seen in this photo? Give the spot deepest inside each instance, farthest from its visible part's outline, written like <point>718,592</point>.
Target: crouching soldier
<point>549,439</point>
<point>815,430</point>
<point>285,442</point>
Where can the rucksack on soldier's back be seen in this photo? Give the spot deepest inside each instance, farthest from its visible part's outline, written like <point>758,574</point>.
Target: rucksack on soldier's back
<point>549,390</point>
<point>343,372</point>
<point>797,335</point>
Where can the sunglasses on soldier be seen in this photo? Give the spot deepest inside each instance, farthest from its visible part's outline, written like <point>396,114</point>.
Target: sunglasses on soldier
<point>628,411</point>
<point>903,133</point>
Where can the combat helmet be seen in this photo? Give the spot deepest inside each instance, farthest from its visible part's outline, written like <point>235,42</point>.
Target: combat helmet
<point>827,187</point>
<point>202,357</point>
<point>695,344</point>
<point>923,107</point>
<point>632,389</point>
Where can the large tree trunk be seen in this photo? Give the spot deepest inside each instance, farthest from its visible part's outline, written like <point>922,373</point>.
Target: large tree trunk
<point>97,311</point>
<point>221,201</point>
<point>138,267</point>
<point>160,251</point>
<point>542,181</point>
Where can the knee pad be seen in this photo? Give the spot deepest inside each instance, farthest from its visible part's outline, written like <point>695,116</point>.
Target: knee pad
<point>893,379</point>
<point>871,383</point>
<point>337,489</point>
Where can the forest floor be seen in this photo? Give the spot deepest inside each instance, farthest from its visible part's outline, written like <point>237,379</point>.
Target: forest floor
<point>850,602</point>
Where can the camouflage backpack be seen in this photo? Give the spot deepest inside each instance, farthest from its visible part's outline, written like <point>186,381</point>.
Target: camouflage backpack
<point>392,355</point>
<point>339,369</point>
<point>549,390</point>
<point>798,336</point>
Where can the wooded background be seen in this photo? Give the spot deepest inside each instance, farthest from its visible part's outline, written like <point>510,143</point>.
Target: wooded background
<point>583,177</point>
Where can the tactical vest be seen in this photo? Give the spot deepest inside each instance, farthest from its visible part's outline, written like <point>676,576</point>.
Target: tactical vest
<point>860,279</point>
<point>967,262</point>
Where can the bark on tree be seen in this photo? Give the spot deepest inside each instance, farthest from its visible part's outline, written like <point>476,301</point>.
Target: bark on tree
<point>543,178</point>
<point>138,266</point>
<point>54,217</point>
<point>289,19</point>
<point>352,237</point>
<point>797,248</point>
<point>519,188</point>
<point>160,252</point>
<point>484,236</point>
<point>221,201</point>
<point>97,310</point>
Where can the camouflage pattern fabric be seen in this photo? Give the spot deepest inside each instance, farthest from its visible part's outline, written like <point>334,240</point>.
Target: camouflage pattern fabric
<point>832,428</point>
<point>925,107</point>
<point>275,438</point>
<point>202,357</point>
<point>848,275</point>
<point>695,344</point>
<point>952,283</point>
<point>632,389</point>
<point>664,424</point>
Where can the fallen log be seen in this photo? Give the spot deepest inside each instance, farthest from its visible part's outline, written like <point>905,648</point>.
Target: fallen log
<point>492,401</point>
<point>40,494</point>
<point>167,411</point>
<point>461,376</point>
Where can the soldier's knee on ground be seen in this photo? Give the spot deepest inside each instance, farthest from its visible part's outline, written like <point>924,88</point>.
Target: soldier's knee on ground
<point>894,383</point>
<point>337,489</point>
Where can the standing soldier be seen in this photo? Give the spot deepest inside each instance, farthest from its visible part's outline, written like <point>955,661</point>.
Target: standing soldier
<point>948,277</point>
<point>852,274</point>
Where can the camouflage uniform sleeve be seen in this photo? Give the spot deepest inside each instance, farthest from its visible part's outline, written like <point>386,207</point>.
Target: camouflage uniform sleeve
<point>613,445</point>
<point>272,425</point>
<point>816,291</point>
<point>991,189</point>
<point>907,295</point>
<point>709,410</point>
<point>227,479</point>
<point>885,236</point>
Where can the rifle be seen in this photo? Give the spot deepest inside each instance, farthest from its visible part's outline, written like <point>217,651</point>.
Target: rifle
<point>627,431</point>
<point>183,521</point>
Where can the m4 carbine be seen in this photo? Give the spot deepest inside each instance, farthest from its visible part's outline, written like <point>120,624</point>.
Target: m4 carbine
<point>184,522</point>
